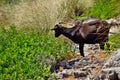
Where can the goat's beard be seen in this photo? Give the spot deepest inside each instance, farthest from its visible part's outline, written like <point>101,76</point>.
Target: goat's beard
<point>57,34</point>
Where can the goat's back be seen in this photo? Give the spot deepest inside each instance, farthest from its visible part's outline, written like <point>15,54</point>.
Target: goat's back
<point>95,32</point>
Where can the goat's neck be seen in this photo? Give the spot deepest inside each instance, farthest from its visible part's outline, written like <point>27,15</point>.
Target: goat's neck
<point>68,32</point>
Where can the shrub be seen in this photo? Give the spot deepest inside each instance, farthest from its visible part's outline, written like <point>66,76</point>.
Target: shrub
<point>25,55</point>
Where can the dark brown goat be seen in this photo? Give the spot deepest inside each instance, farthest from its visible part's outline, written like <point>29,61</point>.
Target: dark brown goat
<point>88,33</point>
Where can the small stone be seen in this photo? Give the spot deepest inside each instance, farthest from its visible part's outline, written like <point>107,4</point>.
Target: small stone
<point>86,59</point>
<point>64,71</point>
<point>86,68</point>
<point>95,62</point>
<point>76,65</point>
<point>115,63</point>
<point>65,75</point>
<point>60,69</point>
<point>89,62</point>
<point>65,65</point>
<point>69,72</point>
<point>106,65</point>
<point>96,78</point>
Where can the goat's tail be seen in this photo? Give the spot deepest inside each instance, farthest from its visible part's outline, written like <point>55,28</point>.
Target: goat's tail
<point>114,24</point>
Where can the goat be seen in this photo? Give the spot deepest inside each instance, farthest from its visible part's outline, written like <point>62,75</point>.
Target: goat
<point>88,33</point>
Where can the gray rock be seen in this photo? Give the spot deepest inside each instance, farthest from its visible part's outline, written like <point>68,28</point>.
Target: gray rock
<point>65,75</point>
<point>83,69</point>
<point>59,75</point>
<point>89,61</point>
<point>119,75</point>
<point>65,64</point>
<point>112,75</point>
<point>117,54</point>
<point>97,78</point>
<point>78,74</point>
<point>70,71</point>
<point>102,75</point>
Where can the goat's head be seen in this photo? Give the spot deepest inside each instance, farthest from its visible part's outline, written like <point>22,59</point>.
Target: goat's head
<point>58,30</point>
<point>77,23</point>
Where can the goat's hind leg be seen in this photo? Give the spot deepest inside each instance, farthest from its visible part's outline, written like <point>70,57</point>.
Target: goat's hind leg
<point>81,47</point>
<point>105,41</point>
<point>102,46</point>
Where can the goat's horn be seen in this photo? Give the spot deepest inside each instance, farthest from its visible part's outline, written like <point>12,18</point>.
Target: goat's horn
<point>52,29</point>
<point>61,23</point>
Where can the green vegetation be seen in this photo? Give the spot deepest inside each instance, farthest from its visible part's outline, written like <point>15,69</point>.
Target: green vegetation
<point>115,41</point>
<point>72,9</point>
<point>28,48</point>
<point>104,9</point>
<point>22,54</point>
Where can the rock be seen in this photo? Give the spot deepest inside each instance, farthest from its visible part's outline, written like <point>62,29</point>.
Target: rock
<point>77,65</point>
<point>89,61</point>
<point>112,75</point>
<point>111,69</point>
<point>106,65</point>
<point>84,61</point>
<point>87,68</point>
<point>102,76</point>
<point>119,75</point>
<point>59,75</point>
<point>97,78</point>
<point>117,54</point>
<point>65,65</point>
<point>65,75</point>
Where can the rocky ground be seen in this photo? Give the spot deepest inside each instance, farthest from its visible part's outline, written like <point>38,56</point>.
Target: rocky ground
<point>97,65</point>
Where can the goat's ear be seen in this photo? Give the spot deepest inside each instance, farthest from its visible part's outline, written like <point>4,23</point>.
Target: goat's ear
<point>77,23</point>
<point>57,26</point>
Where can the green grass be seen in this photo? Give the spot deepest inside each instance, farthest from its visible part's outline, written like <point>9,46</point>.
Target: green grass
<point>103,9</point>
<point>115,41</point>
<point>24,55</point>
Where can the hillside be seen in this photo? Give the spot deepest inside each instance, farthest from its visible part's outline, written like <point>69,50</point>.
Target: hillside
<point>28,48</point>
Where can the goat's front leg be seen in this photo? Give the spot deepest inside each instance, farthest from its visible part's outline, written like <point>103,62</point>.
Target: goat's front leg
<point>81,47</point>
